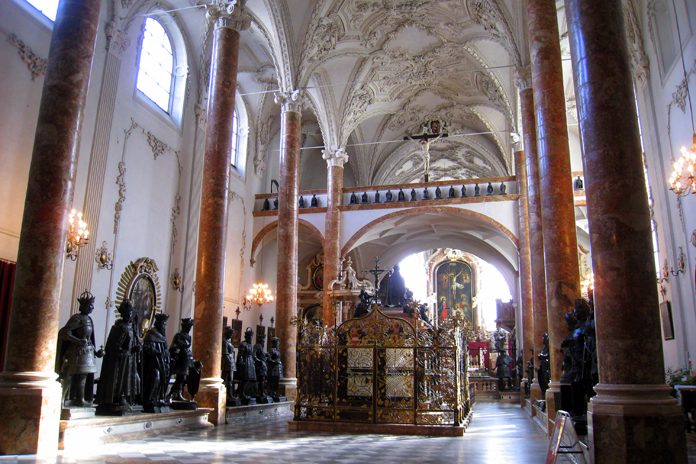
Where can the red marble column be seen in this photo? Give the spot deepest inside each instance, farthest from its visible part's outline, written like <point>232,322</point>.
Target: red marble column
<point>29,394</point>
<point>525,264</point>
<point>536,238</point>
<point>557,208</point>
<point>633,418</point>
<point>286,277</point>
<point>210,260</point>
<point>335,159</point>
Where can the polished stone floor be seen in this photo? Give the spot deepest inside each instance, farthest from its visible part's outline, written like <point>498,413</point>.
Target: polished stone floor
<point>499,433</point>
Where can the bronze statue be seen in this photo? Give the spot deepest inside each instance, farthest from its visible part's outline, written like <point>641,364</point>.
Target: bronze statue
<point>76,354</point>
<point>275,370</point>
<point>489,189</point>
<point>353,199</point>
<point>246,369</point>
<point>451,193</point>
<point>499,338</point>
<point>401,196</point>
<point>229,365</point>
<point>156,366</point>
<point>438,193</point>
<point>364,198</point>
<point>363,307</point>
<point>413,195</point>
<point>503,371</point>
<point>396,288</point>
<point>260,358</point>
<point>181,358</point>
<point>314,202</point>
<point>544,371</point>
<point>463,191</point>
<point>389,196</point>
<point>119,382</point>
<point>477,190</point>
<point>302,202</point>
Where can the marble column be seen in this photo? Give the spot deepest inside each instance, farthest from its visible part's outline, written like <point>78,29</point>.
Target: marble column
<point>633,418</point>
<point>335,159</point>
<point>536,238</point>
<point>525,264</point>
<point>286,276</point>
<point>30,397</point>
<point>557,208</point>
<point>212,229</point>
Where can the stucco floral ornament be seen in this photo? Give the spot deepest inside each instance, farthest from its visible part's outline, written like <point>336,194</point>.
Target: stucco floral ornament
<point>693,238</point>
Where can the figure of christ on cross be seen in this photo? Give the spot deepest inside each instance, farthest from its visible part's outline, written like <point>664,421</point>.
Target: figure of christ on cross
<point>431,132</point>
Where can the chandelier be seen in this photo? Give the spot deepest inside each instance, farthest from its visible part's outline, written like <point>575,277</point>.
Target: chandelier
<point>258,294</point>
<point>682,181</point>
<point>77,234</point>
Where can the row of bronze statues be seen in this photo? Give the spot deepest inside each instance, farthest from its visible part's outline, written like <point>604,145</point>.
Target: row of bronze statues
<point>135,373</point>
<point>413,196</point>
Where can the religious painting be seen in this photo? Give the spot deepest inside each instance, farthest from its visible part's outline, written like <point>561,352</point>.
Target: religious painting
<point>453,288</point>
<point>139,283</point>
<point>666,316</point>
<point>143,297</point>
<point>318,277</point>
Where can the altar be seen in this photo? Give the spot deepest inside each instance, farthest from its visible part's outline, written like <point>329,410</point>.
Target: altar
<point>379,373</point>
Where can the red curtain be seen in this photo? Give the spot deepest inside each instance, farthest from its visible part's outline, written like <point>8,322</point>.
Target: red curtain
<point>7,276</point>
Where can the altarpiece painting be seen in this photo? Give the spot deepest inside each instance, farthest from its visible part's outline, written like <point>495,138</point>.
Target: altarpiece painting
<point>453,288</point>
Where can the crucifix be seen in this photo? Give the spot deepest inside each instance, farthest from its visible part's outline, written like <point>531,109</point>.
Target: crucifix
<point>376,271</point>
<point>431,132</point>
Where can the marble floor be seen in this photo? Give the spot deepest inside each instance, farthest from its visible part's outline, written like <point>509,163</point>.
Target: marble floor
<point>499,433</point>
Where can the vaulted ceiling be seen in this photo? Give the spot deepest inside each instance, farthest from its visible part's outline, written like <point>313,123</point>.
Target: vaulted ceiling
<point>374,71</point>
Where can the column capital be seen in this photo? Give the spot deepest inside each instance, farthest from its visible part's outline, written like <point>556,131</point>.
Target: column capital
<point>523,77</point>
<point>289,100</point>
<point>335,156</point>
<point>229,14</point>
<point>116,41</point>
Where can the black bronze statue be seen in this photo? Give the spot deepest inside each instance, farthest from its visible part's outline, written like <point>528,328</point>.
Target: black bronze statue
<point>275,203</point>
<point>301,202</point>
<point>451,193</point>
<point>184,366</point>
<point>275,370</point>
<point>477,190</point>
<point>364,198</point>
<point>76,354</point>
<point>260,358</point>
<point>389,196</point>
<point>266,205</point>
<point>401,196</point>
<point>396,288</point>
<point>314,202</point>
<point>503,370</point>
<point>463,191</point>
<point>229,365</point>
<point>119,381</point>
<point>503,188</point>
<point>156,366</point>
<point>377,196</point>
<point>413,194</point>
<point>544,371</point>
<point>438,193</point>
<point>353,199</point>
<point>489,189</point>
<point>426,195</point>
<point>363,307</point>
<point>246,370</point>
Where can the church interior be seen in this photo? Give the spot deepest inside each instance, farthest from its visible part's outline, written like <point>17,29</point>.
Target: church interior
<point>348,231</point>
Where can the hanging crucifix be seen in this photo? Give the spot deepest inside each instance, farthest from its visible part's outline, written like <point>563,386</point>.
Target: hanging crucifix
<point>376,271</point>
<point>431,132</point>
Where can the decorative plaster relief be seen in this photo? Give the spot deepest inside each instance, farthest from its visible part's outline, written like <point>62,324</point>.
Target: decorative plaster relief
<point>121,182</point>
<point>36,65</point>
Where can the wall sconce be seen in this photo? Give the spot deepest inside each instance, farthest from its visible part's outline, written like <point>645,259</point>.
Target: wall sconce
<point>258,294</point>
<point>176,281</point>
<point>77,234</point>
<point>103,258</point>
<point>681,264</point>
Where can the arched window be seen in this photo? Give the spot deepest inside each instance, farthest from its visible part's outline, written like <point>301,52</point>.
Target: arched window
<point>235,138</point>
<point>48,8</point>
<point>156,66</point>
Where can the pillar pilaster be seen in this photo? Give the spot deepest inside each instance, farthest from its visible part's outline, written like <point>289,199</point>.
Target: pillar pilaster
<point>632,418</point>
<point>335,159</point>
<point>536,238</point>
<point>30,397</point>
<point>557,208</point>
<point>210,260</point>
<point>525,264</point>
<point>286,277</point>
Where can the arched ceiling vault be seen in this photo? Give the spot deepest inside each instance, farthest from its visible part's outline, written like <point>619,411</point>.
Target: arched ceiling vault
<point>377,70</point>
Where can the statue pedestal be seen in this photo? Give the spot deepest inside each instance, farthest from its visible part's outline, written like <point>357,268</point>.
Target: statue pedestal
<point>75,434</point>
<point>68,413</point>
<point>184,405</point>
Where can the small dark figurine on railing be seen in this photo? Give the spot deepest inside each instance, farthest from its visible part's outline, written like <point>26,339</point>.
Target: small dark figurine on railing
<point>389,196</point>
<point>314,202</point>
<point>302,202</point>
<point>401,196</point>
<point>489,189</point>
<point>503,188</point>
<point>451,193</point>
<point>364,198</point>
<point>438,193</point>
<point>353,199</point>
<point>413,194</point>
<point>477,190</point>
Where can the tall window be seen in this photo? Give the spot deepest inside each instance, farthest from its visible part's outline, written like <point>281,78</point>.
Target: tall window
<point>235,138</point>
<point>47,7</point>
<point>156,65</point>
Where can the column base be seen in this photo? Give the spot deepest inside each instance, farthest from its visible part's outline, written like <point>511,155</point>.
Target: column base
<point>213,394</point>
<point>288,387</point>
<point>636,424</point>
<point>553,404</point>
<point>30,405</point>
<point>535,392</point>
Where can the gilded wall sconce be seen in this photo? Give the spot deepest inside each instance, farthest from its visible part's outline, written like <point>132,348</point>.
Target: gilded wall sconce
<point>103,257</point>
<point>177,281</point>
<point>77,234</point>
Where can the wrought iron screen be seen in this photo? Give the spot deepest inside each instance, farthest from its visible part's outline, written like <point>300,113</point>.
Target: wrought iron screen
<point>382,369</point>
